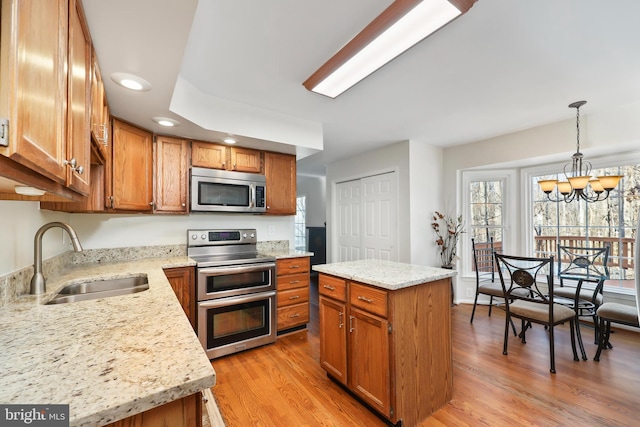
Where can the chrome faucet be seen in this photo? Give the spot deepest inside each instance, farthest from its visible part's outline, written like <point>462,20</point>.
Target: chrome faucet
<point>38,282</point>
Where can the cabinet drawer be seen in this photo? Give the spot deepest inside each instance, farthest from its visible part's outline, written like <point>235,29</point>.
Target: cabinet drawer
<point>291,281</point>
<point>293,296</point>
<point>333,287</point>
<point>293,315</point>
<point>373,300</point>
<point>292,265</point>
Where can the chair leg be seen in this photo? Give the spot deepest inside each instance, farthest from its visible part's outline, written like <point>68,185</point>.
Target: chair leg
<point>506,333</point>
<point>490,304</point>
<point>601,342</point>
<point>552,349</point>
<point>596,329</point>
<point>475,302</point>
<point>572,326</point>
<point>523,331</point>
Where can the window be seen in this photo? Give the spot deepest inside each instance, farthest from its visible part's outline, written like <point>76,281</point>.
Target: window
<point>611,222</point>
<point>300,224</point>
<point>487,210</point>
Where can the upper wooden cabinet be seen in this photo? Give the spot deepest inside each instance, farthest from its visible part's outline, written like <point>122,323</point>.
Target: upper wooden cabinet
<point>132,168</point>
<point>99,122</point>
<point>246,160</point>
<point>216,156</point>
<point>280,173</point>
<point>171,184</point>
<point>45,101</point>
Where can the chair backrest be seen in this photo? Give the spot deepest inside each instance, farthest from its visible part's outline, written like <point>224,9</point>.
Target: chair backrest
<point>521,278</point>
<point>483,260</point>
<point>586,263</point>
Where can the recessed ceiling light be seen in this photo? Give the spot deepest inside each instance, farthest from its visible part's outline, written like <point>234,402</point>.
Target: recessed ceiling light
<point>164,121</point>
<point>229,140</point>
<point>131,81</point>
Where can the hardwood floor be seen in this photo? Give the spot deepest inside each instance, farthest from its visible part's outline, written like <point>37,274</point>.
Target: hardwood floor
<point>283,385</point>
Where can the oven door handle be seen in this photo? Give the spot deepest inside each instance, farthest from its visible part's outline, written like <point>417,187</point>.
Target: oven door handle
<point>223,302</point>
<point>216,271</point>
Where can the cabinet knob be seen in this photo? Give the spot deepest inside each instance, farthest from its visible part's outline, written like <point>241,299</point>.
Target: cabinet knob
<point>183,205</point>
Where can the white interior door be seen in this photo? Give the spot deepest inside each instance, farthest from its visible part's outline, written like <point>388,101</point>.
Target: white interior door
<point>367,218</point>
<point>348,194</point>
<point>379,217</point>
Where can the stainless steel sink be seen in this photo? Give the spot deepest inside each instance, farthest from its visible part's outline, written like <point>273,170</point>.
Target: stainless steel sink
<point>100,288</point>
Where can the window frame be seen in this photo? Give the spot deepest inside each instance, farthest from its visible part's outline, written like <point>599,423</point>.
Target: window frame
<point>509,178</point>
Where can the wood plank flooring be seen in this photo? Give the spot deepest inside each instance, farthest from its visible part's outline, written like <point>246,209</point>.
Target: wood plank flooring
<point>283,385</point>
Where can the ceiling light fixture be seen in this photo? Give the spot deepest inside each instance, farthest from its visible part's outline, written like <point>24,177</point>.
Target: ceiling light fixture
<point>131,81</point>
<point>164,121</point>
<point>229,140</point>
<point>403,24</point>
<point>579,184</point>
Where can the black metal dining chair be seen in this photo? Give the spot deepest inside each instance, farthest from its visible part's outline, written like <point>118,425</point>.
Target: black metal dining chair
<point>521,278</point>
<point>486,275</point>
<point>584,266</point>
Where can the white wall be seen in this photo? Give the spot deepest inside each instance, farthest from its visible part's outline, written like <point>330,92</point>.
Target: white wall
<point>418,168</point>
<point>21,220</point>
<point>610,132</point>
<point>314,188</point>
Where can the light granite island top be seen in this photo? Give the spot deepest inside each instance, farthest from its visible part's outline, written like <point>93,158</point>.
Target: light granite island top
<point>107,358</point>
<point>384,274</point>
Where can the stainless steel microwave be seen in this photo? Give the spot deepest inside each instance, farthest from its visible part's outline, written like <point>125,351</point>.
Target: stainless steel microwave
<point>215,190</point>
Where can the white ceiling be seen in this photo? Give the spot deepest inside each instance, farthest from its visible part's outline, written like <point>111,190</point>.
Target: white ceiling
<point>504,66</point>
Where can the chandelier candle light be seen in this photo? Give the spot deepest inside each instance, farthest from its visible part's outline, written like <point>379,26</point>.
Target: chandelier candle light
<point>580,184</point>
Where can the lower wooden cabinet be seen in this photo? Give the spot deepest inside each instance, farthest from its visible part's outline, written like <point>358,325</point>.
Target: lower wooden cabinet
<point>293,292</point>
<point>185,412</point>
<point>182,280</point>
<point>391,348</point>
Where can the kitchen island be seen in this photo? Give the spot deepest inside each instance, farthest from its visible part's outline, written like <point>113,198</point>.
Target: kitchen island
<point>107,358</point>
<point>385,334</point>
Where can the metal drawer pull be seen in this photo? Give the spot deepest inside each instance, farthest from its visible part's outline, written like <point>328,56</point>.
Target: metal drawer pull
<point>293,282</point>
<point>361,298</point>
<point>340,316</point>
<point>331,288</point>
<point>295,297</point>
<point>294,315</point>
<point>350,323</point>
<point>294,266</point>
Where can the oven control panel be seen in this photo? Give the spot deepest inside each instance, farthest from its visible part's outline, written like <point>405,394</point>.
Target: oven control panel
<point>209,237</point>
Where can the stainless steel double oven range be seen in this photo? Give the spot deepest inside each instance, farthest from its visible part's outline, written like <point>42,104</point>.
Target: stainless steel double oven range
<point>236,290</point>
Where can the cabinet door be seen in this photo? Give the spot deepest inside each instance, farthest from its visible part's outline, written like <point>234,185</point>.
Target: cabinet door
<point>280,173</point>
<point>171,174</point>
<point>246,160</point>
<point>132,168</point>
<point>207,155</point>
<point>35,70</point>
<point>182,282</point>
<point>78,131</point>
<point>333,338</point>
<point>369,369</point>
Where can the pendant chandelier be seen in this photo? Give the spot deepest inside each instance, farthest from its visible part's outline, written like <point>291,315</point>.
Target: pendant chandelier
<point>579,184</point>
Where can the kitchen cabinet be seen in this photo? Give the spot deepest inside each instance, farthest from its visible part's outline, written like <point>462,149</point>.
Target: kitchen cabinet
<point>45,105</point>
<point>171,172</point>
<point>99,122</point>
<point>293,293</point>
<point>132,168</point>
<point>185,412</point>
<point>280,173</point>
<point>216,156</point>
<point>390,348</point>
<point>182,280</point>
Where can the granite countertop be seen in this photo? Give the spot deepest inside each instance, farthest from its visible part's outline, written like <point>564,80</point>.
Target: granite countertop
<point>284,253</point>
<point>384,274</point>
<point>108,358</point>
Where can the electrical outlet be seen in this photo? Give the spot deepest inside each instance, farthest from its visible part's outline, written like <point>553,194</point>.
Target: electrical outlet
<point>272,230</point>
<point>469,293</point>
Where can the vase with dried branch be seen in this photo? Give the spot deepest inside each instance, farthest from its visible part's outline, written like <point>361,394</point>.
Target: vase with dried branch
<point>448,230</point>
